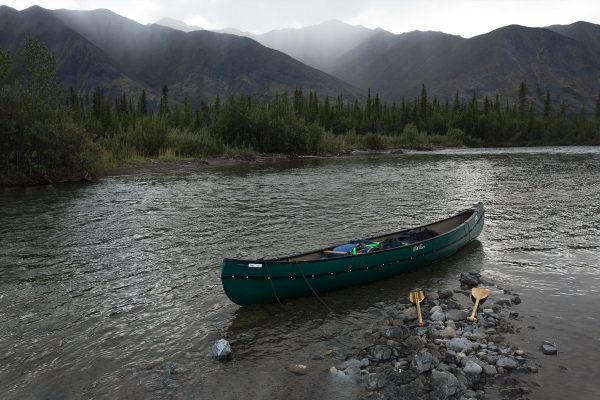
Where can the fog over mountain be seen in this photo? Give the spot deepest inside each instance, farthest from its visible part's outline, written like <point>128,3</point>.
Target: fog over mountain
<point>101,48</point>
<point>561,59</point>
<point>568,67</point>
<point>176,24</point>
<point>319,46</point>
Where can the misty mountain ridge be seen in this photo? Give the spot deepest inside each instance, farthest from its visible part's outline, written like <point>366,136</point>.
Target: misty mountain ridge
<point>566,65</point>
<point>102,49</point>
<point>176,24</point>
<point>319,46</point>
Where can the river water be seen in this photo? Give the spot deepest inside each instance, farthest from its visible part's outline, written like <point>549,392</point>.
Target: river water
<point>111,289</point>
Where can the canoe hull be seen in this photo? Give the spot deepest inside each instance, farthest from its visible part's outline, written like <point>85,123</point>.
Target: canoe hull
<point>254,282</point>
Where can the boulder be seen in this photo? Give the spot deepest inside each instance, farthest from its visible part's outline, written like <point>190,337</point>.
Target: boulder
<point>221,350</point>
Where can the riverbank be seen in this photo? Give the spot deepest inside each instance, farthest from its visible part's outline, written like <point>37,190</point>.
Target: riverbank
<point>190,164</point>
<point>448,357</point>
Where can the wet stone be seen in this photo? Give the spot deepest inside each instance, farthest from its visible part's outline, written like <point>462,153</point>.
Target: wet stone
<point>422,362</point>
<point>549,348</point>
<point>472,368</point>
<point>469,280</point>
<point>456,315</point>
<point>507,363</point>
<point>298,369</point>
<point>459,344</point>
<point>490,370</point>
<point>444,384</point>
<point>221,350</point>
<point>379,353</point>
<point>444,293</point>
<point>396,332</point>
<point>448,332</point>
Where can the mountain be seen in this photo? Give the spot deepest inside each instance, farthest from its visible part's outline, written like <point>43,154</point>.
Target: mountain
<point>568,66</point>
<point>582,31</point>
<point>103,47</point>
<point>176,24</point>
<point>319,46</point>
<point>81,64</point>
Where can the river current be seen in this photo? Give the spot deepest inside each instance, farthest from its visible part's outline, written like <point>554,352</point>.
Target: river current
<point>111,289</point>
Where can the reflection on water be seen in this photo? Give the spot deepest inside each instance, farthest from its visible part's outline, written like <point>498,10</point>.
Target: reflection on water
<point>112,289</point>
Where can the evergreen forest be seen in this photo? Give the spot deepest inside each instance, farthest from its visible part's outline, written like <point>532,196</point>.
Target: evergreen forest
<point>54,134</point>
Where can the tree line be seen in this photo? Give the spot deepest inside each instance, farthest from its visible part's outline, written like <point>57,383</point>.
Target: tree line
<point>49,135</point>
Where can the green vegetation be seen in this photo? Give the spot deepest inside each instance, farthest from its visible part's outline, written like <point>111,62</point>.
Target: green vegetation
<point>46,136</point>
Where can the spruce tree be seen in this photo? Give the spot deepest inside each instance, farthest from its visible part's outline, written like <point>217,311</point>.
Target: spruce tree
<point>547,105</point>
<point>143,103</point>
<point>522,100</point>
<point>598,105</point>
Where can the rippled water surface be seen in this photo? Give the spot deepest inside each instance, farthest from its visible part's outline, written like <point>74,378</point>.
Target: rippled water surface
<point>111,289</point>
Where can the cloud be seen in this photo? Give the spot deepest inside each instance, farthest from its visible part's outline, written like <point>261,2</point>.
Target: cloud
<point>463,17</point>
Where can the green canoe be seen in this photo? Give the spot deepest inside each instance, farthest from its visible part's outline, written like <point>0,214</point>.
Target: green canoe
<point>267,280</point>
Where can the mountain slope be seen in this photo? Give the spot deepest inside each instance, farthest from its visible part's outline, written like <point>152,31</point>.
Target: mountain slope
<point>319,46</point>
<point>79,63</point>
<point>496,62</point>
<point>199,64</point>
<point>176,24</point>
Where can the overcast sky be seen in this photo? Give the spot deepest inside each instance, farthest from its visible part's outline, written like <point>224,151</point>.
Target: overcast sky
<point>461,17</point>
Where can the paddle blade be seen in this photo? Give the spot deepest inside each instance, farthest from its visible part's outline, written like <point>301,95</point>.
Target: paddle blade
<point>480,294</point>
<point>416,296</point>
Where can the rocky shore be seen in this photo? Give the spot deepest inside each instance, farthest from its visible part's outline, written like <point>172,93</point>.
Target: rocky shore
<point>447,358</point>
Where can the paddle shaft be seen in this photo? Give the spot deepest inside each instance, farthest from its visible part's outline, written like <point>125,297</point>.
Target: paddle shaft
<point>472,317</point>
<point>421,323</point>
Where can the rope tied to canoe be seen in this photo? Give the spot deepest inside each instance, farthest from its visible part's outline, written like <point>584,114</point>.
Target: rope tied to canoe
<point>324,303</point>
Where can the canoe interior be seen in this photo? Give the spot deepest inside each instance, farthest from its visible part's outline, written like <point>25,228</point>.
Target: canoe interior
<point>434,230</point>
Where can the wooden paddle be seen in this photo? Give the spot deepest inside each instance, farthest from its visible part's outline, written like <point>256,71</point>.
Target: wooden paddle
<point>480,295</point>
<point>416,297</point>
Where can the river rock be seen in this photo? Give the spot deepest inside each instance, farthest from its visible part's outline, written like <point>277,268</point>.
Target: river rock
<point>448,332</point>
<point>463,345</point>
<point>490,370</point>
<point>408,314</point>
<point>444,384</point>
<point>445,293</point>
<point>352,367</point>
<point>469,280</point>
<point>221,350</point>
<point>456,315</point>
<point>516,300</point>
<point>298,369</point>
<point>379,353</point>
<point>472,368</point>
<point>549,348</point>
<point>396,332</point>
<point>414,343</point>
<point>374,381</point>
<point>450,357</point>
<point>437,315</point>
<point>422,361</point>
<point>507,363</point>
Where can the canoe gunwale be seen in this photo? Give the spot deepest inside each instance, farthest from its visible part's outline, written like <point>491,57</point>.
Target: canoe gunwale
<point>474,211</point>
<point>304,276</point>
